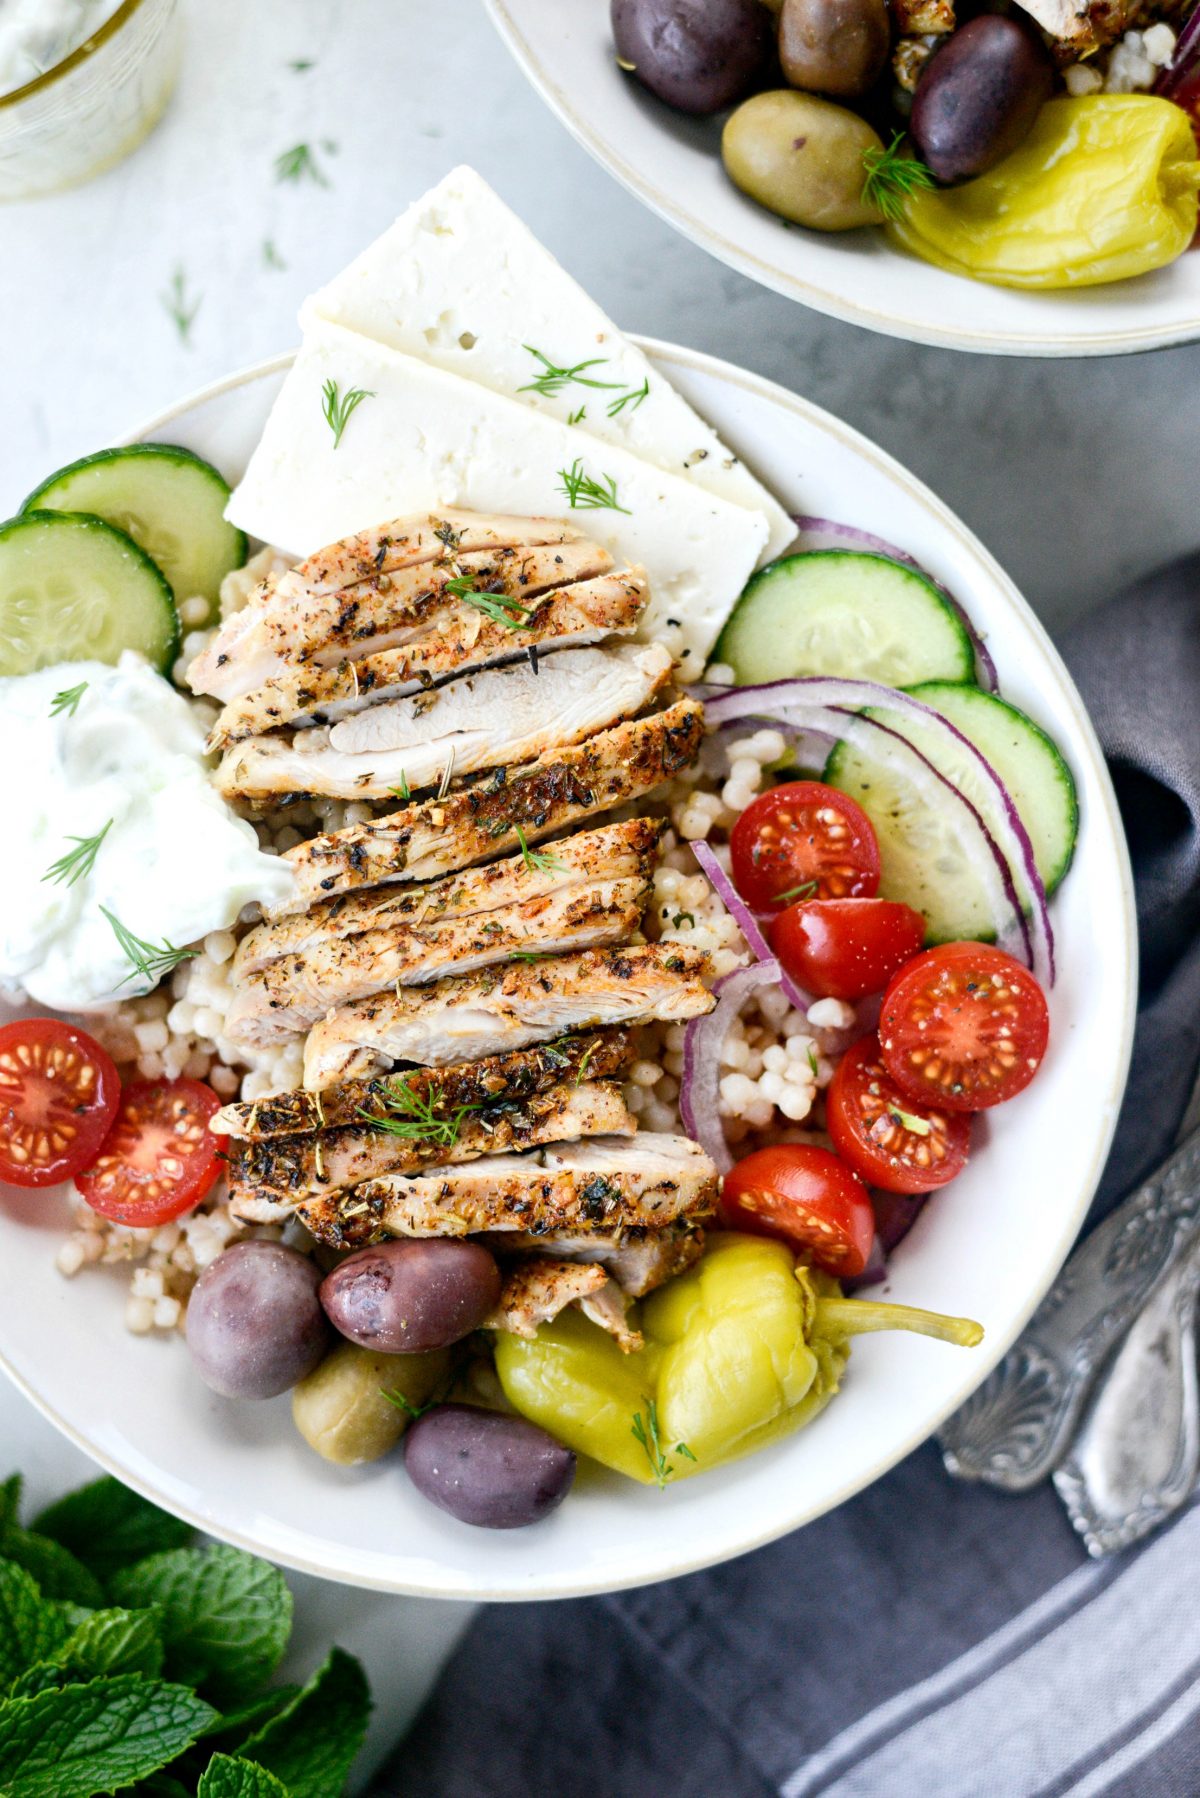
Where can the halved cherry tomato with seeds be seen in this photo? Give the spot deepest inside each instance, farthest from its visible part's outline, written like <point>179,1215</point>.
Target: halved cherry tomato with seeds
<point>803,840</point>
<point>964,1026</point>
<point>890,1139</point>
<point>59,1093</point>
<point>846,948</point>
<point>160,1158</point>
<point>807,1197</point>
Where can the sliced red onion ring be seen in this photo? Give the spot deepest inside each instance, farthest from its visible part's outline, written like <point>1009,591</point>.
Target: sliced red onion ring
<point>826,533</point>
<point>704,1038</point>
<point>1184,65</point>
<point>823,703</point>
<point>746,922</point>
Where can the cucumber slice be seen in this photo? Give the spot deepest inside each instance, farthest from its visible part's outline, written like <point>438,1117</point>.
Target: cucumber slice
<point>846,613</point>
<point>925,860</point>
<point>1029,763</point>
<point>170,502</point>
<point>74,589</point>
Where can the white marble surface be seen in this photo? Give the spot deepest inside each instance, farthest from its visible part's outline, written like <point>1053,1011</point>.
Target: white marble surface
<point>1077,475</point>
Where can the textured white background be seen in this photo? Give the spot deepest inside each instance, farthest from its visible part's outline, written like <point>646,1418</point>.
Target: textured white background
<point>1077,475</point>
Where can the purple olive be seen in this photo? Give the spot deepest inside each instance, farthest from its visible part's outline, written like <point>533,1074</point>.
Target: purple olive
<point>254,1322</point>
<point>978,96</point>
<point>697,55</point>
<point>836,47</point>
<point>404,1298</point>
<point>486,1468</point>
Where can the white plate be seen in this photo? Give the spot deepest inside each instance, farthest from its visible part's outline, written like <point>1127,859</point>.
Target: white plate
<point>672,163</point>
<point>988,1247</point>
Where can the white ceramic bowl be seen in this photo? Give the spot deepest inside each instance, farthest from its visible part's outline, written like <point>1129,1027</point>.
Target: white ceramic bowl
<point>988,1247</point>
<point>672,163</point>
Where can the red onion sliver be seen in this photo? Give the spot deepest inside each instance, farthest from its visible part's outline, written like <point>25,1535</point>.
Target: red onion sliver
<point>704,1038</point>
<point>746,922</point>
<point>826,533</point>
<point>1185,61</point>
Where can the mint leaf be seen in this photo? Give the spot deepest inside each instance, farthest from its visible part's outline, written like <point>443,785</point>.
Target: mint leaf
<point>311,1744</point>
<point>114,1641</point>
<point>226,1616</point>
<point>41,1677</point>
<point>228,1777</point>
<point>31,1628</point>
<point>106,1526</point>
<point>94,1738</point>
<point>56,1570</point>
<point>10,1501</point>
<point>231,1730</point>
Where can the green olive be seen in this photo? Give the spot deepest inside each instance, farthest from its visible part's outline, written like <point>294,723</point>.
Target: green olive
<point>340,1409</point>
<point>802,158</point>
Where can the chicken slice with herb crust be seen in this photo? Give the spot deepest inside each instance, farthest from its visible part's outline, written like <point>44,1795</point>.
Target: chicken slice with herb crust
<point>535,1291</point>
<point>512,1008</point>
<point>488,817</point>
<point>639,1260</point>
<point>478,721</point>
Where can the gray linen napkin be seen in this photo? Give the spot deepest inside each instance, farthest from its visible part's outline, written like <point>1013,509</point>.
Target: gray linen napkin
<point>929,1639</point>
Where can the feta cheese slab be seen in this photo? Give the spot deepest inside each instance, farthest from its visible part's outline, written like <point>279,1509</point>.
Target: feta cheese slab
<point>424,439</point>
<point>460,282</point>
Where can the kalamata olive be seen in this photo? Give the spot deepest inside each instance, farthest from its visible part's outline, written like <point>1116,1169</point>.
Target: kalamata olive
<point>342,1409</point>
<point>978,96</point>
<point>254,1322</point>
<point>802,158</point>
<point>697,55</point>
<point>834,47</point>
<point>486,1468</point>
<point>405,1297</point>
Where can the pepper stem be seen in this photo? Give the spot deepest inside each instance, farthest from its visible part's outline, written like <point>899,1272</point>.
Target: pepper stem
<point>1181,178</point>
<point>857,1317</point>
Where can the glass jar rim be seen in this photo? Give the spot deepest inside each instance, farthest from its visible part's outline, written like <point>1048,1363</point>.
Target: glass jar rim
<point>89,46</point>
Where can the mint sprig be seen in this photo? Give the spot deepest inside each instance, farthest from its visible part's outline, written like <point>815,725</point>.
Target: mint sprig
<point>311,1744</point>
<point>81,1739</point>
<point>229,1776</point>
<point>106,1526</point>
<point>226,1616</point>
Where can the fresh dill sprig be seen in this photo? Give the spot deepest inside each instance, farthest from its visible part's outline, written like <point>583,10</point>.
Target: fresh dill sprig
<point>148,959</point>
<point>812,1061</point>
<point>909,1121</point>
<point>270,254</point>
<point>301,65</point>
<point>581,1070</point>
<point>890,176</point>
<point>805,890</point>
<point>585,494</point>
<point>537,860</point>
<point>78,861</point>
<point>180,309</point>
<point>553,379</point>
<point>300,164</point>
<point>405,1404</point>
<point>501,608</point>
<point>403,791</point>
<point>68,700</point>
<point>645,1431</point>
<point>632,399</point>
<point>531,955</point>
<point>577,418</point>
<point>415,1116</point>
<point>339,408</point>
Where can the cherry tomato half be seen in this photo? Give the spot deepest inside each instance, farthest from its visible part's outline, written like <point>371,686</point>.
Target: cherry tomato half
<point>893,1141</point>
<point>160,1157</point>
<point>964,1026</point>
<point>846,948</point>
<point>59,1093</point>
<point>809,1198</point>
<point>803,840</point>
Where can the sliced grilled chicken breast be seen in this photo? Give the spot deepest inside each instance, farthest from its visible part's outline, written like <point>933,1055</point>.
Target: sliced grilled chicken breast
<point>600,1184</point>
<point>489,1013</point>
<point>372,587</point>
<point>608,1306</point>
<point>474,632</point>
<point>638,1260</point>
<point>472,1085</point>
<point>536,1290</point>
<point>286,997</point>
<point>473,823</point>
<point>478,721</point>
<point>622,851</point>
<point>266,1179</point>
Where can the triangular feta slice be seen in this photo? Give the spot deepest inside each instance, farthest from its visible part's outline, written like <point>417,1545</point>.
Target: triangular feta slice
<point>460,282</point>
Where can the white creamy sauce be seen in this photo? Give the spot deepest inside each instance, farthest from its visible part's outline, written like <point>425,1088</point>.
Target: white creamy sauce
<point>37,34</point>
<point>174,863</point>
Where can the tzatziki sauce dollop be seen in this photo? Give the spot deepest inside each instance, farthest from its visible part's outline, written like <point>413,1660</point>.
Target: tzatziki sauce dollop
<point>123,760</point>
<point>36,35</point>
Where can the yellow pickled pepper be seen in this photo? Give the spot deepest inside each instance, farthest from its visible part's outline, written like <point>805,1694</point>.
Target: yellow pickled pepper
<point>1104,187</point>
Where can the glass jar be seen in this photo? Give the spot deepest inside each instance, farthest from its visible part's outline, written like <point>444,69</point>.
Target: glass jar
<point>95,106</point>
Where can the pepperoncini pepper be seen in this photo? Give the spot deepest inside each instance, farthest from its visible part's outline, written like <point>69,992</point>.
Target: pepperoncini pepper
<point>743,1347</point>
<point>1104,187</point>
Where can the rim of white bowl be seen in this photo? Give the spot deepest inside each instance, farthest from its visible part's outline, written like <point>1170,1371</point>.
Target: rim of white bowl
<point>1108,1103</point>
<point>1064,344</point>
